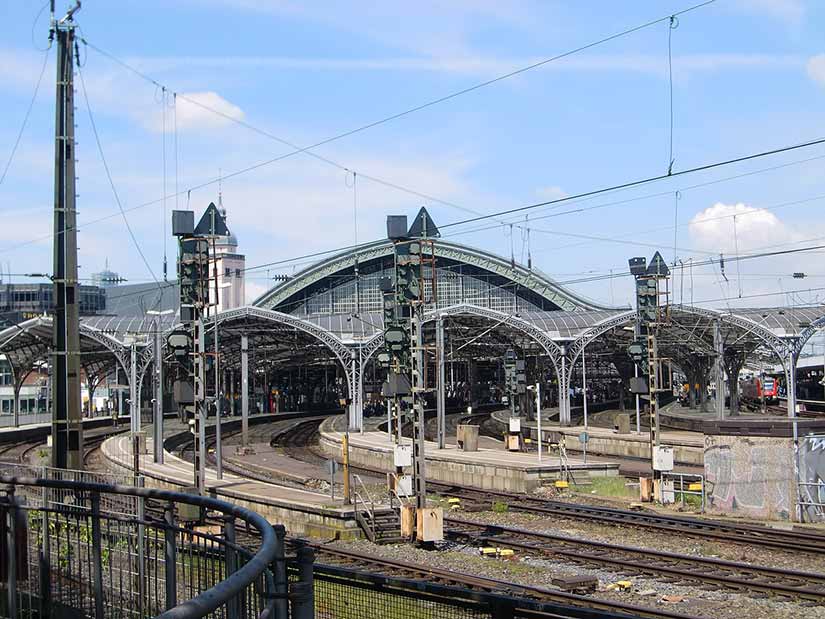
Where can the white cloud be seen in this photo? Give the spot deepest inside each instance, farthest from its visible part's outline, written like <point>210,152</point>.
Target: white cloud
<point>254,290</point>
<point>553,192</point>
<point>722,227</point>
<point>479,65</point>
<point>790,11</point>
<point>816,68</point>
<point>199,110</point>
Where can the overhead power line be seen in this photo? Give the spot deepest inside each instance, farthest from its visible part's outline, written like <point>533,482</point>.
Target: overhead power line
<point>706,262</point>
<point>298,150</point>
<point>439,100</point>
<point>640,182</point>
<point>111,180</point>
<point>25,117</point>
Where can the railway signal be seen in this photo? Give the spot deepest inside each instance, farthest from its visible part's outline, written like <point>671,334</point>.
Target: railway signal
<point>189,344</point>
<point>403,357</point>
<point>651,286</point>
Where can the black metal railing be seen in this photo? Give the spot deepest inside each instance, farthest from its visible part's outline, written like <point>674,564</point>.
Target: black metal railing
<point>84,549</point>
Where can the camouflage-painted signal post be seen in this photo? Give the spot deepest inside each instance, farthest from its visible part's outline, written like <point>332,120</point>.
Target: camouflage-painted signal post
<point>651,286</point>
<point>403,356</point>
<point>188,343</point>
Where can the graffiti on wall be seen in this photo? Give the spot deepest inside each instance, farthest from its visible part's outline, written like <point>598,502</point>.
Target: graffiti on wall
<point>812,476</point>
<point>753,476</point>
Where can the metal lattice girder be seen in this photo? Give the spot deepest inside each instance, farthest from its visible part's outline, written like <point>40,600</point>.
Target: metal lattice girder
<point>529,279</point>
<point>341,351</point>
<point>807,333</point>
<point>30,341</point>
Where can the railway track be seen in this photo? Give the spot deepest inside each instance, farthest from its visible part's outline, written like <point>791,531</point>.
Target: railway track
<point>794,541</point>
<point>719,574</point>
<point>329,555</point>
<point>19,453</point>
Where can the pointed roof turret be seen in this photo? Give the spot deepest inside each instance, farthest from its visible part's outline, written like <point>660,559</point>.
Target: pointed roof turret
<point>204,226</point>
<point>658,266</point>
<point>423,226</point>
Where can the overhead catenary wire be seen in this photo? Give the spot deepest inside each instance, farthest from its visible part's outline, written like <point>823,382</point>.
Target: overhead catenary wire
<point>93,126</point>
<point>642,181</point>
<point>398,115</point>
<point>26,116</point>
<point>163,163</point>
<point>458,93</point>
<point>672,25</point>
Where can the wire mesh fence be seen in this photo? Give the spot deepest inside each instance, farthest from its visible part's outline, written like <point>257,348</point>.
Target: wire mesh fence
<point>150,552</point>
<point>347,593</point>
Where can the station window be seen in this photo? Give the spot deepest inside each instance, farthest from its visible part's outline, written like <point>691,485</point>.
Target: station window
<point>6,377</point>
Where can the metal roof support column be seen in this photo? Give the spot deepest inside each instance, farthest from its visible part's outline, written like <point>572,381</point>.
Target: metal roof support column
<point>16,402</point>
<point>158,371</point>
<point>134,406</point>
<point>353,379</point>
<point>564,391</point>
<point>719,346</point>
<point>244,391</point>
<point>790,379</point>
<point>584,388</point>
<point>440,380</point>
<point>638,408</point>
<point>232,392</point>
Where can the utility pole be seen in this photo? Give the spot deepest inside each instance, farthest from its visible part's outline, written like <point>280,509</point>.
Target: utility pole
<point>645,349</point>
<point>218,437</point>
<point>404,354</point>
<point>193,278</point>
<point>67,428</point>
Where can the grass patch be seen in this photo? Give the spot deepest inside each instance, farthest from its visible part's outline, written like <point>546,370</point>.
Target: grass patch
<point>500,507</point>
<point>613,485</point>
<point>692,500</point>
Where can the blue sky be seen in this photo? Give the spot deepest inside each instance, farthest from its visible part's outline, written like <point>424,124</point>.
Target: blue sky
<point>748,75</point>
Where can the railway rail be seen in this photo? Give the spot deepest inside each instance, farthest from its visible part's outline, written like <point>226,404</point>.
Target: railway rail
<point>777,539</point>
<point>330,555</point>
<point>726,575</point>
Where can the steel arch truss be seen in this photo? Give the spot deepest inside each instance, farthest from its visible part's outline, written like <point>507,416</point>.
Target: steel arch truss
<point>341,350</point>
<point>807,334</point>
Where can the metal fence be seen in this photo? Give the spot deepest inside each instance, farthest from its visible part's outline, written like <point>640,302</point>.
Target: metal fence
<point>83,549</point>
<point>344,593</point>
<point>7,420</point>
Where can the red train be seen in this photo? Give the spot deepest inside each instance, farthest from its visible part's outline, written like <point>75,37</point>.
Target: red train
<point>753,390</point>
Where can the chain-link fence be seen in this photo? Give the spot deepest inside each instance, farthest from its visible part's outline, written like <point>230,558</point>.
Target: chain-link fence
<point>147,553</point>
<point>346,593</point>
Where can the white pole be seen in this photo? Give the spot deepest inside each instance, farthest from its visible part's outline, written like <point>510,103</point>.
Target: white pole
<point>638,420</point>
<point>389,419</point>
<point>584,389</point>
<point>538,415</point>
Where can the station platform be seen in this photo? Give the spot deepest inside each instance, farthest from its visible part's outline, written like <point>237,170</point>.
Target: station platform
<point>488,468</point>
<point>303,512</point>
<point>688,447</point>
<point>44,428</point>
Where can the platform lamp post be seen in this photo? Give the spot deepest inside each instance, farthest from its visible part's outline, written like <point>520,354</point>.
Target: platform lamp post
<point>218,391</point>
<point>158,399</point>
<point>537,389</point>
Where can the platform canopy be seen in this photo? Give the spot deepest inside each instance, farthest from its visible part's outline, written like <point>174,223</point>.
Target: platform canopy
<point>29,343</point>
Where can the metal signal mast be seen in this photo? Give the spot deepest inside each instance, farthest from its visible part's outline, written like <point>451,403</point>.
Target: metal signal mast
<point>67,429</point>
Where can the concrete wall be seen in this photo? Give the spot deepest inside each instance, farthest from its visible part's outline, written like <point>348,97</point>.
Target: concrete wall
<point>483,475</point>
<point>618,446</point>
<point>750,476</point>
<point>300,520</point>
